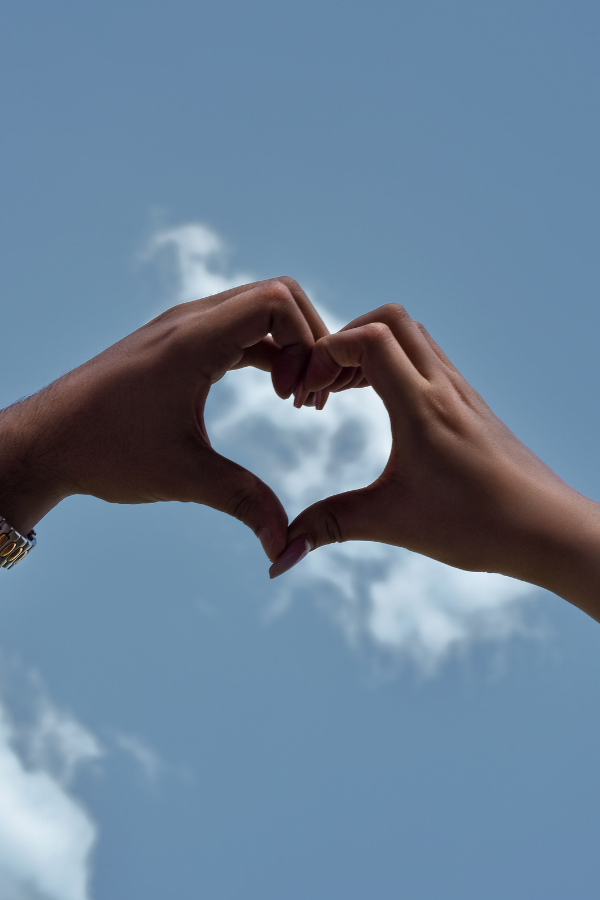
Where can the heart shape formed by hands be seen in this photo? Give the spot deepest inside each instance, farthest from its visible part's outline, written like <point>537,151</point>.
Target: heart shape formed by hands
<point>128,427</point>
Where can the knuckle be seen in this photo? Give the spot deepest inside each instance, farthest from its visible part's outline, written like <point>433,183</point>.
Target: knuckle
<point>396,313</point>
<point>170,315</point>
<point>290,283</point>
<point>377,332</point>
<point>443,410</point>
<point>331,526</point>
<point>322,356</point>
<point>357,379</point>
<point>395,309</point>
<point>275,291</point>
<point>243,500</point>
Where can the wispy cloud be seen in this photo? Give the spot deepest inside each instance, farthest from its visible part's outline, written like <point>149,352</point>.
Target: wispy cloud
<point>389,598</point>
<point>201,258</point>
<point>46,836</point>
<point>147,759</point>
<point>59,744</point>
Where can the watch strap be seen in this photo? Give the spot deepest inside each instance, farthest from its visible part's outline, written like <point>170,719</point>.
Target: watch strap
<point>13,546</point>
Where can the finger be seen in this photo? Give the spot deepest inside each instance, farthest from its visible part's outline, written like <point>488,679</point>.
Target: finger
<point>371,348</point>
<point>244,320</point>
<point>322,398</point>
<point>357,380</point>
<point>352,516</point>
<point>206,303</point>
<point>407,332</point>
<point>344,379</point>
<point>222,296</point>
<point>212,300</point>
<point>410,335</point>
<point>224,485</point>
<point>315,322</point>
<point>260,356</point>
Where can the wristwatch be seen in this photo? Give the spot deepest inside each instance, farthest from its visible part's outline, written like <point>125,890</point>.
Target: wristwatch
<point>13,546</point>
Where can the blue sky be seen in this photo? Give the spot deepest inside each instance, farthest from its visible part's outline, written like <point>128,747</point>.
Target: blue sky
<point>374,725</point>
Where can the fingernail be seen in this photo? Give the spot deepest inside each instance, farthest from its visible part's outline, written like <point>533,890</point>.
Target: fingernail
<point>291,556</point>
<point>298,395</point>
<point>266,539</point>
<point>311,399</point>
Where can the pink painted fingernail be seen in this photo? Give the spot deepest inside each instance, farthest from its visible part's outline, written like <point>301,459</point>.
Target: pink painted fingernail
<point>292,555</point>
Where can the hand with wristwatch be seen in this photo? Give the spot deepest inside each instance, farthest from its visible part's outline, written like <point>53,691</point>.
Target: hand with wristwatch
<point>128,427</point>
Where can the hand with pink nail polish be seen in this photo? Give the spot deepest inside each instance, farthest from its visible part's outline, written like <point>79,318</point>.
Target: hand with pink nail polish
<point>128,426</point>
<point>291,556</point>
<point>459,486</point>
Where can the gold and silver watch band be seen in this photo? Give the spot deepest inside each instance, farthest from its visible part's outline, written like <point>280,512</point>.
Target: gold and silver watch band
<point>13,546</point>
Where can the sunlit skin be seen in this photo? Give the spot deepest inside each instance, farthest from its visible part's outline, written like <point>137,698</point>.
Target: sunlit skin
<point>459,486</point>
<point>128,426</point>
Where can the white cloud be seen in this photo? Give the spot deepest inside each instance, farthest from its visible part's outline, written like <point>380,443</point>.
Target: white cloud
<point>200,256</point>
<point>393,599</point>
<point>46,836</point>
<point>59,744</point>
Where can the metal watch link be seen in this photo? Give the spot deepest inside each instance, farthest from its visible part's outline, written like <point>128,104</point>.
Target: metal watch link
<point>13,546</point>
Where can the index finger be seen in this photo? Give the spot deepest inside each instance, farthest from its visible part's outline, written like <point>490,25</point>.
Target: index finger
<point>372,348</point>
<point>246,319</point>
<point>314,320</point>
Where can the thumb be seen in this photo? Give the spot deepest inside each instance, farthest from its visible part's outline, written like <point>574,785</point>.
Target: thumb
<point>228,487</point>
<point>351,516</point>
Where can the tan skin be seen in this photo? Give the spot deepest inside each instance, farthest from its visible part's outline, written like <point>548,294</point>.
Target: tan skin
<point>128,426</point>
<point>459,486</point>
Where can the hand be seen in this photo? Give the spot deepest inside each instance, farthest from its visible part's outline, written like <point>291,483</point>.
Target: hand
<point>128,426</point>
<point>459,486</point>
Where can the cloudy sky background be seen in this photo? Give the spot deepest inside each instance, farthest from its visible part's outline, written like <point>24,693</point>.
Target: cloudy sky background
<point>410,605</point>
<point>375,724</point>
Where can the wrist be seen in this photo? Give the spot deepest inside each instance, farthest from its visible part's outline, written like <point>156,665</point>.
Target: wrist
<point>565,557</point>
<point>30,485</point>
